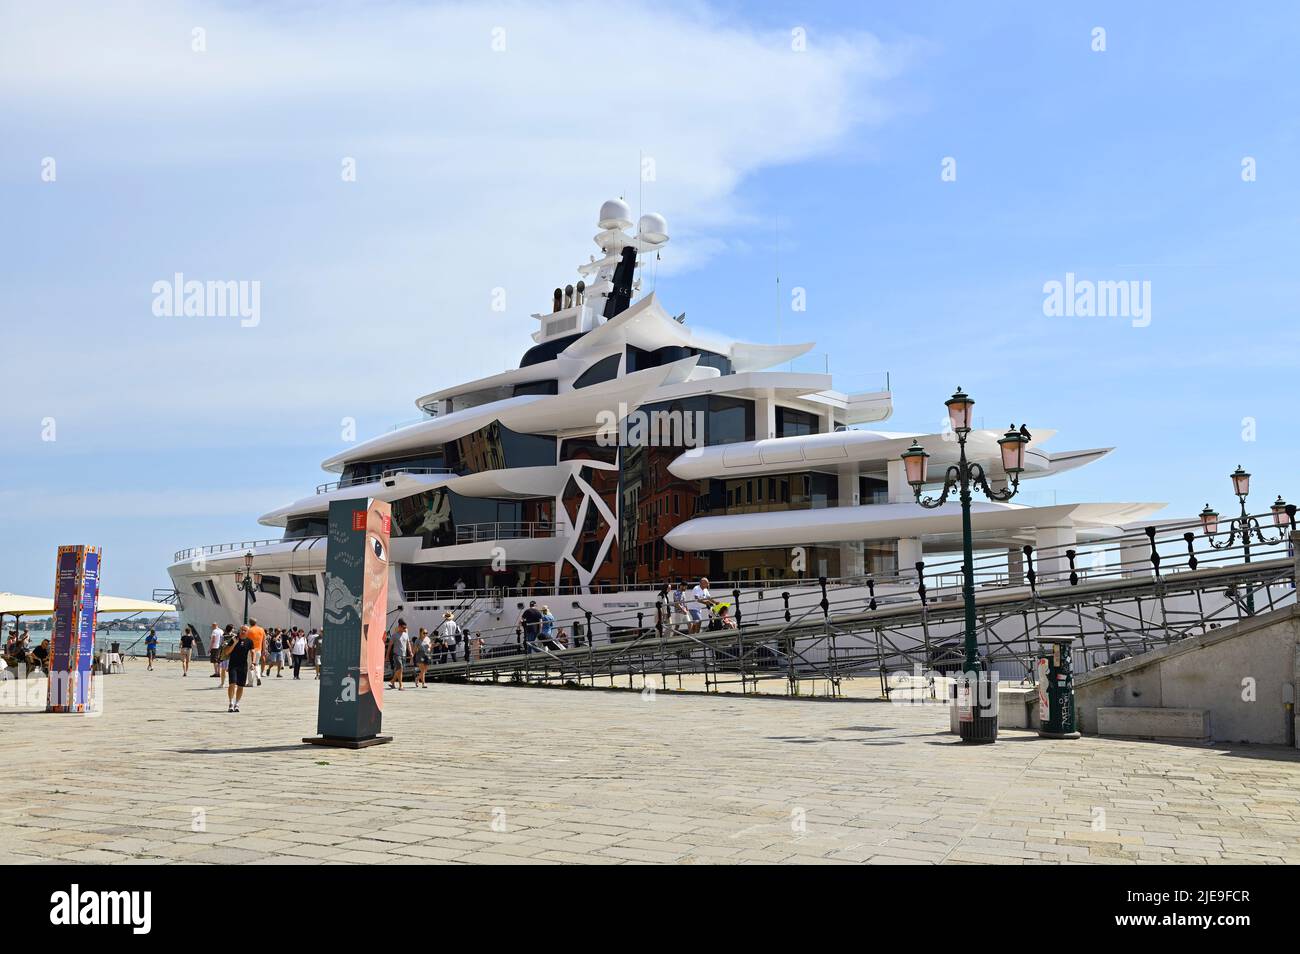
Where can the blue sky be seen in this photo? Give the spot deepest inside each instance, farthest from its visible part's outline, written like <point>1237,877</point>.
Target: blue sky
<point>480,169</point>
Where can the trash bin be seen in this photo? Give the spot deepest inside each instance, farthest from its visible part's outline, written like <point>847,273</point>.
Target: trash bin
<point>1057,716</point>
<point>976,700</point>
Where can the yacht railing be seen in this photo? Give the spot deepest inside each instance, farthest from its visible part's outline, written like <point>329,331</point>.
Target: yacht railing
<point>193,553</point>
<point>373,478</point>
<point>1168,583</point>
<point>504,530</point>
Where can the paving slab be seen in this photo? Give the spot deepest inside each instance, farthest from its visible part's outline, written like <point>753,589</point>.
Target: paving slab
<point>511,775</point>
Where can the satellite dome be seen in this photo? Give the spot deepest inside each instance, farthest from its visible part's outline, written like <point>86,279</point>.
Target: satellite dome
<point>615,214</point>
<point>653,227</point>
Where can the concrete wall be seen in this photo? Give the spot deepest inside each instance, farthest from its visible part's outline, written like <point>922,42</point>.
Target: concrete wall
<point>1211,672</point>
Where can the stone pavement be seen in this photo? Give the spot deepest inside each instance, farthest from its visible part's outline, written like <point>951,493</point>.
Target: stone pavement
<point>520,774</point>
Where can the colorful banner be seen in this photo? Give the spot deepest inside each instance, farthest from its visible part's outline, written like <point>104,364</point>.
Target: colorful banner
<point>351,701</point>
<point>72,649</point>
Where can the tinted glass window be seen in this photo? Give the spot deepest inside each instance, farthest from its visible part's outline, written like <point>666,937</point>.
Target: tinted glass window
<point>299,528</point>
<point>550,386</point>
<point>606,369</point>
<point>212,593</point>
<point>639,360</point>
<point>300,607</point>
<point>792,423</point>
<point>270,584</point>
<point>547,350</point>
<point>730,421</point>
<point>496,447</point>
<point>303,584</point>
<point>588,448</point>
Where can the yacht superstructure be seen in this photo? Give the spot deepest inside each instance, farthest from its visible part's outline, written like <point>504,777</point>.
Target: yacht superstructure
<point>629,450</point>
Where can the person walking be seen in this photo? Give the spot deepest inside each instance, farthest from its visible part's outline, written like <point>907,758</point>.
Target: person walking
<point>531,619</point>
<point>399,646</point>
<point>680,618</point>
<point>151,648</point>
<point>450,634</point>
<point>423,656</point>
<point>299,651</point>
<point>274,655</point>
<point>548,629</point>
<point>239,655</point>
<point>227,640</point>
<point>214,651</point>
<point>320,649</point>
<point>701,604</point>
<point>188,638</point>
<point>311,647</point>
<point>258,636</point>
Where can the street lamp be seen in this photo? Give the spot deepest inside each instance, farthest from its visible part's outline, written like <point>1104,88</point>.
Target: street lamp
<point>248,581</point>
<point>1246,526</point>
<point>962,476</point>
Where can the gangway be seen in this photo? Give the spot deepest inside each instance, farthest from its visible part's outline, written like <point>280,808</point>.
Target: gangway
<point>1171,583</point>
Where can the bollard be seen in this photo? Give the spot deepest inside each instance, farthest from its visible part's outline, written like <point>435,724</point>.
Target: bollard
<point>1057,716</point>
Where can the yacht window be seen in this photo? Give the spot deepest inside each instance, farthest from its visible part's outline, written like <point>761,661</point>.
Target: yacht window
<point>212,593</point>
<point>303,584</point>
<point>606,369</point>
<point>792,423</point>
<point>550,386</point>
<point>300,607</point>
<point>270,584</point>
<point>198,588</point>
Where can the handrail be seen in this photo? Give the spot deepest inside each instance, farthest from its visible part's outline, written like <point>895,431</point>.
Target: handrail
<point>215,548</point>
<point>373,478</point>
<point>504,530</point>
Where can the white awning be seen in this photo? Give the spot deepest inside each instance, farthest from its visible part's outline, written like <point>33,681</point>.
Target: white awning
<point>11,604</point>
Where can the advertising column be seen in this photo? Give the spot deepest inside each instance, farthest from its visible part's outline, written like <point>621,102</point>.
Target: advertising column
<point>351,703</point>
<point>72,650</point>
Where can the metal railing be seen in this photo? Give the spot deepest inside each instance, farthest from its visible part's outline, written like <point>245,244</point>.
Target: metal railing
<point>374,478</point>
<point>218,548</point>
<point>504,530</point>
<point>1169,584</point>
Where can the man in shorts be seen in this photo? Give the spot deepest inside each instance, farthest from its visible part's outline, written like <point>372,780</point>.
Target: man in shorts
<point>214,650</point>
<point>678,599</point>
<point>239,660</point>
<point>701,604</point>
<point>187,650</point>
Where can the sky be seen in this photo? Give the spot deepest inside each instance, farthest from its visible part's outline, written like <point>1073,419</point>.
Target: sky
<point>407,182</point>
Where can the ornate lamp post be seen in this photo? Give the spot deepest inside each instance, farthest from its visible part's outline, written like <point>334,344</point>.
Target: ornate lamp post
<point>961,476</point>
<point>248,581</point>
<point>1246,526</point>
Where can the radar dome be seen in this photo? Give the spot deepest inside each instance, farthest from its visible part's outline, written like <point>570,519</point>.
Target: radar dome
<point>653,227</point>
<point>615,214</point>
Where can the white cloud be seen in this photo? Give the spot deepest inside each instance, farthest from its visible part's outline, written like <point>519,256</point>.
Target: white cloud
<point>476,169</point>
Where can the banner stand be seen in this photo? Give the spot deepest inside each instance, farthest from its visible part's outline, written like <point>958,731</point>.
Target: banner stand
<point>350,707</point>
<point>72,649</point>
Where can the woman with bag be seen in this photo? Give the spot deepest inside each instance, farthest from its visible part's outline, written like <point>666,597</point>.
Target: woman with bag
<point>299,650</point>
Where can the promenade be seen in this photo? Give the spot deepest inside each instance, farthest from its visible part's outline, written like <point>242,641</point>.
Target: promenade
<point>499,774</point>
